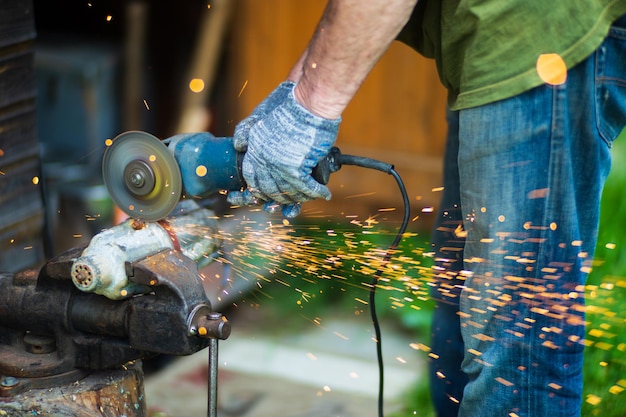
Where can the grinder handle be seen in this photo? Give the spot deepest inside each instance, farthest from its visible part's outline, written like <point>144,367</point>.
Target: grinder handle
<point>327,166</point>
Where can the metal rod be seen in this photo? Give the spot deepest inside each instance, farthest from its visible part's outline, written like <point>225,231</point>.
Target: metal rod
<point>212,410</point>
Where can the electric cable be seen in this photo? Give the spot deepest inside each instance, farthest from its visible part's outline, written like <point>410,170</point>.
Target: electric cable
<point>364,162</point>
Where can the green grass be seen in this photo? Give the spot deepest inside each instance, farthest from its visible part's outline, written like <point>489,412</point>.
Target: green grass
<point>605,356</point>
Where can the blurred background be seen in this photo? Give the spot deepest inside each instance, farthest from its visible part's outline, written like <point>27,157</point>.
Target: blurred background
<point>107,67</point>
<point>85,71</point>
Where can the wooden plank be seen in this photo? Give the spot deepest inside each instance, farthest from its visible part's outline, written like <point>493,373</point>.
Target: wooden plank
<point>21,246</point>
<point>136,18</point>
<point>21,205</point>
<point>18,135</point>
<point>17,75</point>
<point>17,22</point>
<point>20,193</point>
<point>266,40</point>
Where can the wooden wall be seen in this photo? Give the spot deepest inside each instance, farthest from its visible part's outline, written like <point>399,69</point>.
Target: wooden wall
<point>21,206</point>
<point>398,115</point>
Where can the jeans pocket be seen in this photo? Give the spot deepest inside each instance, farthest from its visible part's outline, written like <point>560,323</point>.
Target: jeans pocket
<point>611,84</point>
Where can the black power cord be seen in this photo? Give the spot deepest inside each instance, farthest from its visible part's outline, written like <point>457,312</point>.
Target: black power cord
<point>336,161</point>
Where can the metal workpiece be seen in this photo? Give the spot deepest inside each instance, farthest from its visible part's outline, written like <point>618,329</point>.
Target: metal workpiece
<point>212,326</point>
<point>101,268</point>
<point>208,324</point>
<point>196,230</point>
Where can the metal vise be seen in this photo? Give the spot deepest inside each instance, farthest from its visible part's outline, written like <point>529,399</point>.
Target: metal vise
<point>52,332</point>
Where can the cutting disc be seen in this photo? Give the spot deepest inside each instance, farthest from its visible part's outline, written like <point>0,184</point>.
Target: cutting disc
<point>142,176</point>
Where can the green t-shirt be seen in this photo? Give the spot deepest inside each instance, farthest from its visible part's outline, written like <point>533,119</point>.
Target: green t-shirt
<point>488,50</point>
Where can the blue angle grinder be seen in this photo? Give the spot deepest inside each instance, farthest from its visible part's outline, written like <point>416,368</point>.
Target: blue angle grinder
<point>146,177</point>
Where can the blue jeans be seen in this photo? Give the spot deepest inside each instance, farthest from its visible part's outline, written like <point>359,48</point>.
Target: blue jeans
<point>514,241</point>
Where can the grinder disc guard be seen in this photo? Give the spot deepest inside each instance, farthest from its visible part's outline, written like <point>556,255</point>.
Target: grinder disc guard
<point>141,176</point>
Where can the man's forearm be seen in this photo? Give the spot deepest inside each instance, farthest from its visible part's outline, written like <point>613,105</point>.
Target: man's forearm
<point>350,38</point>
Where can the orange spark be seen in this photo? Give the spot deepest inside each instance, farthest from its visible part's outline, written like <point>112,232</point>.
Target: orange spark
<point>243,87</point>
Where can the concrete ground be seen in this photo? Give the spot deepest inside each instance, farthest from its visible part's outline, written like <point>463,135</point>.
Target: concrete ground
<point>327,370</point>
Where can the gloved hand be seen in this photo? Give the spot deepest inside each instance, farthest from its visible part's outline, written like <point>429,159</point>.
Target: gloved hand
<point>282,149</point>
<point>240,142</point>
<point>276,97</point>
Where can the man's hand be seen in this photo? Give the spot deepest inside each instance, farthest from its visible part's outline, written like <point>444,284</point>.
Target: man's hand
<point>296,132</point>
<point>276,97</point>
<point>283,147</point>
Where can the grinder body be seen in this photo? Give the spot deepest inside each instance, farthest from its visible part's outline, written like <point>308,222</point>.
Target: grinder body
<point>207,163</point>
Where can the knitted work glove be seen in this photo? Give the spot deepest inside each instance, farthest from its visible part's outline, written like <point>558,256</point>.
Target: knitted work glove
<point>276,97</point>
<point>282,150</point>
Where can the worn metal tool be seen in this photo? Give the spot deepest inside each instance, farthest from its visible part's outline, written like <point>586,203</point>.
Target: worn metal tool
<point>76,315</point>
